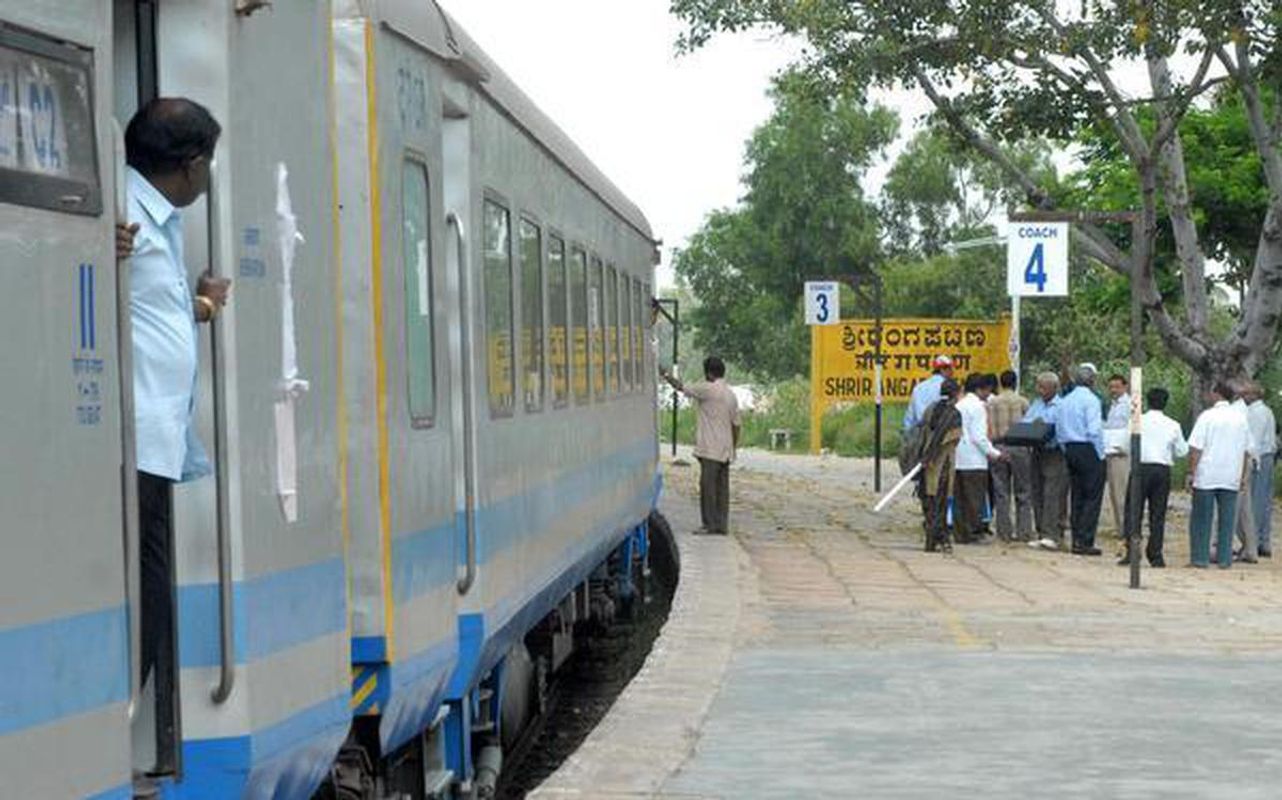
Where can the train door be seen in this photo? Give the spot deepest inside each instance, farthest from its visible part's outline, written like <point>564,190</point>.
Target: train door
<point>63,619</point>
<point>261,682</point>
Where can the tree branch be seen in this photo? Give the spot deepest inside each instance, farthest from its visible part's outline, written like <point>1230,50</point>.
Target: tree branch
<point>1134,138</point>
<point>1092,239</point>
<point>1170,117</point>
<point>1179,207</point>
<point>1266,137</point>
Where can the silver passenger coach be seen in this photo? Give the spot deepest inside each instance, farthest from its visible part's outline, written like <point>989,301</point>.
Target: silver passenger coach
<point>430,403</point>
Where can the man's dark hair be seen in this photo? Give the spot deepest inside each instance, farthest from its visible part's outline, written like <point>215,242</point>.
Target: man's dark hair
<point>168,132</point>
<point>949,388</point>
<point>990,380</point>
<point>714,367</point>
<point>1117,377</point>
<point>1157,397</point>
<point>1224,390</point>
<point>975,381</point>
<point>1009,379</point>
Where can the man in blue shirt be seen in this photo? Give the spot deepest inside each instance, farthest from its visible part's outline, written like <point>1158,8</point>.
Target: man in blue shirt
<point>926,393</point>
<point>1050,472</point>
<point>1080,430</point>
<point>169,147</point>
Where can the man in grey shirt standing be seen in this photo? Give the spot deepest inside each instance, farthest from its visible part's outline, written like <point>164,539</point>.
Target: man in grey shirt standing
<point>716,439</point>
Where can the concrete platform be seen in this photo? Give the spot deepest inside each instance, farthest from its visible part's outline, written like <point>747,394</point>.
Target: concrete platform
<point>818,652</point>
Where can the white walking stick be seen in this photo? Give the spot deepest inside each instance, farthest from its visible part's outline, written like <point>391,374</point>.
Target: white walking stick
<point>894,490</point>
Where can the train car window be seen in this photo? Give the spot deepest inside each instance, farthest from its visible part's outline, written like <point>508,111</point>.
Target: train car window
<point>640,308</point>
<point>48,152</point>
<point>647,362</point>
<point>611,299</point>
<point>625,331</point>
<point>596,318</point>
<point>500,366</point>
<point>531,239</point>
<point>420,362</point>
<point>579,322</point>
<point>558,322</point>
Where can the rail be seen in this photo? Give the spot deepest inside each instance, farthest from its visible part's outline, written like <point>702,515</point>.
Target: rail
<point>222,505</point>
<point>469,455</point>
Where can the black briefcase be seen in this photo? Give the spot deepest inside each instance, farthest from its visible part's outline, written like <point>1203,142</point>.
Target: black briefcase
<point>1028,434</point>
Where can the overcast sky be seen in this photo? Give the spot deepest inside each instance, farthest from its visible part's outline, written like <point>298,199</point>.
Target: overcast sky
<point>668,130</point>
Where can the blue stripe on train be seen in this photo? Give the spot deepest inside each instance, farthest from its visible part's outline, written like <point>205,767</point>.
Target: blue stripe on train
<point>272,612</point>
<point>282,761</point>
<point>64,666</point>
<point>422,561</point>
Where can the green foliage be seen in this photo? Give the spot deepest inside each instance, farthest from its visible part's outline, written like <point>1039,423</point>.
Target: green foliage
<point>804,215</point>
<point>939,192</point>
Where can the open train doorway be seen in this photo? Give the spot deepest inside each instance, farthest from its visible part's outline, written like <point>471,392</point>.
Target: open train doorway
<point>155,719</point>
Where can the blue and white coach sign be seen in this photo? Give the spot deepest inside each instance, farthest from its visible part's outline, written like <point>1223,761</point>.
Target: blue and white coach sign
<point>823,303</point>
<point>1037,259</point>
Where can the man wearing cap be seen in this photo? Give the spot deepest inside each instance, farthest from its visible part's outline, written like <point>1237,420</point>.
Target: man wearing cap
<point>927,392</point>
<point>924,395</point>
<point>1080,430</point>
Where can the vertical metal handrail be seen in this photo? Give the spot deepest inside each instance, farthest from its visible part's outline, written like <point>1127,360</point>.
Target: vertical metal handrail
<point>218,352</point>
<point>128,443</point>
<point>469,482</point>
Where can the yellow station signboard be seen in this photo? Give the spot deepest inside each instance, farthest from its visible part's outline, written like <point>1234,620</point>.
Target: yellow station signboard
<point>843,358</point>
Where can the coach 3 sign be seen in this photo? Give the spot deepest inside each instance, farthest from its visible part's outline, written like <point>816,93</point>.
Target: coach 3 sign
<point>1037,259</point>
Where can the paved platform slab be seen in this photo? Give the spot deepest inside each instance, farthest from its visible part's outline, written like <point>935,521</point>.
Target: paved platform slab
<point>817,651</point>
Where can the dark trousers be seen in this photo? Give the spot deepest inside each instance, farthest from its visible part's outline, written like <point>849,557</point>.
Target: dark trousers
<point>970,493</point>
<point>156,545</point>
<point>714,495</point>
<point>1086,476</point>
<point>1155,490</point>
<point>1050,492</point>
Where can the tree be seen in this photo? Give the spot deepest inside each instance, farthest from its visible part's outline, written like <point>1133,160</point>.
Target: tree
<point>938,191</point>
<point>804,215</point>
<point>1001,71</point>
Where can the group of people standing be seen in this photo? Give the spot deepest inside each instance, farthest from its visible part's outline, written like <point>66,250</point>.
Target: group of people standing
<point>1049,478</point>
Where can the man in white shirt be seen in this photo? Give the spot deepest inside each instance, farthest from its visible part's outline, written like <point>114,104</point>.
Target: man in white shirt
<point>1259,417</point>
<point>1161,442</point>
<point>1245,525</point>
<point>1217,460</point>
<point>1116,439</point>
<point>716,439</point>
<point>974,451</point>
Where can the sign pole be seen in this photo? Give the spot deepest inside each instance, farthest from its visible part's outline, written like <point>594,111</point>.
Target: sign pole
<point>876,449</point>
<point>816,398</point>
<point>1137,379</point>
<point>1016,352</point>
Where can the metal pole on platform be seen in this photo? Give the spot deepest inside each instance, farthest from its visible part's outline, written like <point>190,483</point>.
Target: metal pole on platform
<point>877,373</point>
<point>1138,265</point>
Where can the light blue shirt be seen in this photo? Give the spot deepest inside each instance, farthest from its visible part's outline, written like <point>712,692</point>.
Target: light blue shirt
<point>164,339</point>
<point>923,397</point>
<point>1081,420</point>
<point>1039,409</point>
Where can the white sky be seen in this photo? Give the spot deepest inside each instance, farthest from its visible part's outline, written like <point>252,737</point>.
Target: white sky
<point>668,130</point>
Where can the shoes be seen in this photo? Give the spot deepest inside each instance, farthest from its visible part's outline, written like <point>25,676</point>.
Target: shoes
<point>1191,565</point>
<point>1265,552</point>
<point>1045,543</point>
<point>1243,559</point>
<point>1087,551</point>
<point>1157,563</point>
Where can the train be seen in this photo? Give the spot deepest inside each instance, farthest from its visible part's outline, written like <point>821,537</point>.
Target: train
<point>430,404</point>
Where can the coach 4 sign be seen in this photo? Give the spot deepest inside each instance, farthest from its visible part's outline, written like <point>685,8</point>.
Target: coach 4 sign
<point>1037,259</point>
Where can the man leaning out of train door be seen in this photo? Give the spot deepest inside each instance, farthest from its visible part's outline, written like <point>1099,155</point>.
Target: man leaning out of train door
<point>169,146</point>
<point>716,439</point>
